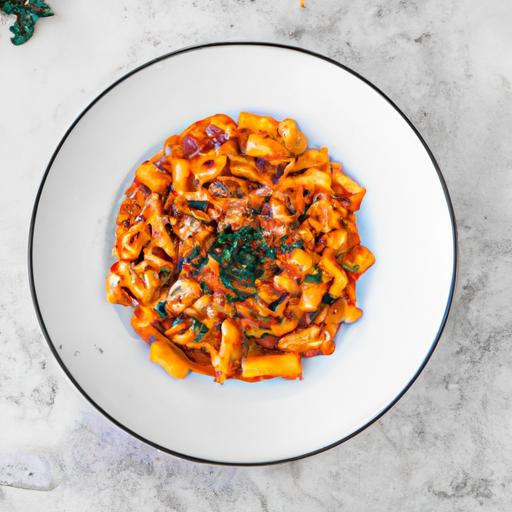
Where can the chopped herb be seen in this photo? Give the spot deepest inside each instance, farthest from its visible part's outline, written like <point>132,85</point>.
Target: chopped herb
<point>160,309</point>
<point>205,288</point>
<point>198,205</point>
<point>240,255</point>
<point>200,328</point>
<point>313,278</point>
<point>240,295</point>
<point>164,275</point>
<point>195,252</point>
<point>303,217</point>
<point>200,262</point>
<point>177,321</point>
<point>328,299</point>
<point>299,244</point>
<point>351,268</point>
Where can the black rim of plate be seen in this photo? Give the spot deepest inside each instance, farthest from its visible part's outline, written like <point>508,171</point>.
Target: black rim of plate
<point>105,413</point>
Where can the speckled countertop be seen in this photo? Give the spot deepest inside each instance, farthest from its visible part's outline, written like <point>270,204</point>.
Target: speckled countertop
<point>447,445</point>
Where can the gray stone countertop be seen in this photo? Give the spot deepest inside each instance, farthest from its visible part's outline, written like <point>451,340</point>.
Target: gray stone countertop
<point>447,445</point>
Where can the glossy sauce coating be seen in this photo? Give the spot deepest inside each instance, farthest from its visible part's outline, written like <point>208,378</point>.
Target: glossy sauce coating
<point>238,246</point>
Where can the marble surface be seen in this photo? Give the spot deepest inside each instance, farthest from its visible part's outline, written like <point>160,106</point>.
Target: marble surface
<point>446,446</point>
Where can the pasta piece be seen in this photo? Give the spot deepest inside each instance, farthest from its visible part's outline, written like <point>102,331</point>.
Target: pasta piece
<point>302,340</point>
<point>287,366</point>
<point>301,259</point>
<point>312,295</point>
<point>265,147</point>
<point>182,294</point>
<point>348,187</point>
<point>358,260</point>
<point>230,351</point>
<point>330,266</point>
<point>180,174</point>
<point>238,247</point>
<point>258,124</point>
<point>153,178</point>
<point>294,140</point>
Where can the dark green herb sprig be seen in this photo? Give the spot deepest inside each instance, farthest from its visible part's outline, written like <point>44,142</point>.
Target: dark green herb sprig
<point>27,14</point>
<point>240,255</point>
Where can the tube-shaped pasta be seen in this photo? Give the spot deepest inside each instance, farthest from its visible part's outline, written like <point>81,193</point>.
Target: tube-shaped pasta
<point>312,179</point>
<point>180,169</point>
<point>230,351</point>
<point>348,187</point>
<point>265,147</point>
<point>286,325</point>
<point>116,294</point>
<point>151,176</point>
<point>358,260</point>
<point>312,294</point>
<point>317,158</point>
<point>293,139</point>
<point>337,240</point>
<point>287,366</point>
<point>207,168</point>
<point>301,259</point>
<point>259,124</point>
<point>167,357</point>
<point>174,362</point>
<point>330,266</point>
<point>279,212</point>
<point>302,340</point>
<point>322,217</point>
<point>129,245</point>
<point>245,167</point>
<point>286,283</point>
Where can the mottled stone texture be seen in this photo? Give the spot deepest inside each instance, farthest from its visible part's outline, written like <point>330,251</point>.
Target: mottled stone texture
<point>447,445</point>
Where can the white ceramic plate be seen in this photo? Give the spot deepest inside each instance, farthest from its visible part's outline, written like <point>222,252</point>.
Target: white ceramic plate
<point>406,220</point>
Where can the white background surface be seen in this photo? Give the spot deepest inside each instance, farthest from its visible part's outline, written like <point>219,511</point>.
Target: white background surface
<point>446,445</point>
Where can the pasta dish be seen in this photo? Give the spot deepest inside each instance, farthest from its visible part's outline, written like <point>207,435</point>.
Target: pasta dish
<point>238,248</point>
